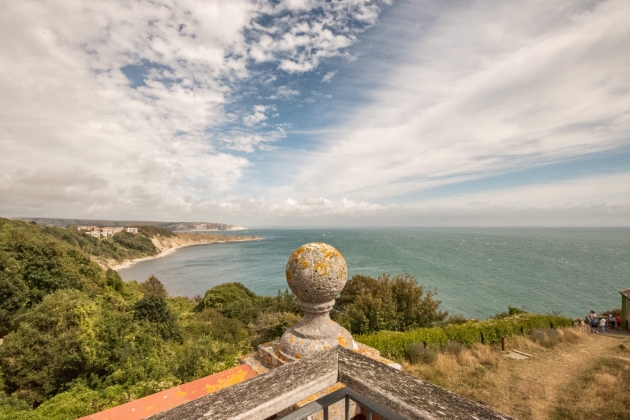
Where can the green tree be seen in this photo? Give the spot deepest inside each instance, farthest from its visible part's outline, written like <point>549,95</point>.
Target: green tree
<point>13,290</point>
<point>154,309</point>
<point>390,303</point>
<point>154,287</point>
<point>45,353</point>
<point>113,280</point>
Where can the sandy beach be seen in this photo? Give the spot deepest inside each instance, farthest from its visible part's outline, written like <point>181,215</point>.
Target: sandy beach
<point>170,245</point>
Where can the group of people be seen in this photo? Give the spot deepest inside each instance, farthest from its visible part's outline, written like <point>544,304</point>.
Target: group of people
<point>600,322</point>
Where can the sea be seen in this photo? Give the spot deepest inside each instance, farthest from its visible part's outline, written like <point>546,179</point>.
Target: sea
<point>476,272</point>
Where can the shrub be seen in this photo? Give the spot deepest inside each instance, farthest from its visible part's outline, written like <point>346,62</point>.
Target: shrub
<point>271,325</point>
<point>154,309</point>
<point>137,241</point>
<point>45,352</point>
<point>113,280</point>
<point>453,347</point>
<point>397,303</point>
<point>392,344</point>
<point>418,353</point>
<point>153,287</point>
<point>151,231</point>
<point>204,356</point>
<point>613,312</point>
<point>552,337</point>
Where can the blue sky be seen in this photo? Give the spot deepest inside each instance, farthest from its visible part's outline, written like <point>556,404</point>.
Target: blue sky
<point>317,113</point>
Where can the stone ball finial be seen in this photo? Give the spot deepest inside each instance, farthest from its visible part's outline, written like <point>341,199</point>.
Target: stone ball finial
<point>316,272</point>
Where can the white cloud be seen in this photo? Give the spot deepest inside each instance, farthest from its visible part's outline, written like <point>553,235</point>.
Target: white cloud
<point>257,116</point>
<point>284,92</point>
<point>484,90</point>
<point>308,31</point>
<point>328,76</point>
<point>66,103</point>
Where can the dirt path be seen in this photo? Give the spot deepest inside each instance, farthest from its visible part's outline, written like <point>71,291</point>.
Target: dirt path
<point>534,385</point>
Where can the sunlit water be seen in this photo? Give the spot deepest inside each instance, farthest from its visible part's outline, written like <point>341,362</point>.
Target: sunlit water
<point>477,272</point>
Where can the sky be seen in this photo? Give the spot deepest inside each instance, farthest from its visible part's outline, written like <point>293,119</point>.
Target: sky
<point>299,113</point>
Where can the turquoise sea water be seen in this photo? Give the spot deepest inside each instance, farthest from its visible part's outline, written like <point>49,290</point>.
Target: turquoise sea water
<point>477,272</point>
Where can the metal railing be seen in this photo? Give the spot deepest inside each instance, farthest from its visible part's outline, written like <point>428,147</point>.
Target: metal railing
<point>345,394</point>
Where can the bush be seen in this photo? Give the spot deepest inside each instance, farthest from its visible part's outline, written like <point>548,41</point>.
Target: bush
<point>113,280</point>
<point>453,347</point>
<point>552,337</point>
<point>204,356</point>
<point>137,241</point>
<point>393,344</point>
<point>152,231</point>
<point>613,312</point>
<point>154,309</point>
<point>45,352</point>
<point>397,303</point>
<point>153,287</point>
<point>271,325</point>
<point>235,301</point>
<point>418,353</point>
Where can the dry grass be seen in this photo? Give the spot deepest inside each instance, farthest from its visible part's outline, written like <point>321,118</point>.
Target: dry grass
<point>601,392</point>
<point>551,385</point>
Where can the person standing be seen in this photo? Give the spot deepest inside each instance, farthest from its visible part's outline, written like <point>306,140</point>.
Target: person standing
<point>612,322</point>
<point>592,316</point>
<point>602,324</point>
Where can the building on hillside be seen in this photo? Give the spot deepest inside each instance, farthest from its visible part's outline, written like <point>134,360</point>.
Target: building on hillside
<point>316,371</point>
<point>131,230</point>
<point>625,309</point>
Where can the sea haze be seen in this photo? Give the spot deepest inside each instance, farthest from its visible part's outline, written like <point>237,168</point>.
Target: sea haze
<point>477,272</point>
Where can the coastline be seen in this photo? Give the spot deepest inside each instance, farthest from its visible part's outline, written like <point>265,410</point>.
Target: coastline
<point>170,245</point>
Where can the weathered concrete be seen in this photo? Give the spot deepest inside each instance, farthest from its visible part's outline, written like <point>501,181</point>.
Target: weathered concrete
<point>284,387</point>
<point>316,273</point>
<point>404,394</point>
<point>264,395</point>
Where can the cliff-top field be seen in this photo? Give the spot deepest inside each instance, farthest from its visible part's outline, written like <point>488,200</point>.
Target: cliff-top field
<point>573,375</point>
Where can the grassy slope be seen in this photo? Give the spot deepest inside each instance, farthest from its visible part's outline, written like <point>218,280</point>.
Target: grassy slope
<point>575,375</point>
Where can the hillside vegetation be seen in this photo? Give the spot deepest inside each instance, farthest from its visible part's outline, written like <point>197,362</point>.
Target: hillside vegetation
<point>77,339</point>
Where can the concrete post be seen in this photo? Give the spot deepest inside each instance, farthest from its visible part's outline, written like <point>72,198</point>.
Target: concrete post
<point>316,273</point>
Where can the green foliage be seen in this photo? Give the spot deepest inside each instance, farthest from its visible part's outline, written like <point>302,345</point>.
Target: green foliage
<point>153,287</point>
<point>204,356</point>
<point>233,300</point>
<point>137,241</point>
<point>512,310</point>
<point>152,231</point>
<point>211,323</point>
<point>393,344</point>
<point>45,352</point>
<point>13,290</point>
<point>153,308</point>
<point>417,352</point>
<point>613,312</point>
<point>271,325</point>
<point>35,264</point>
<point>395,303</point>
<point>113,280</point>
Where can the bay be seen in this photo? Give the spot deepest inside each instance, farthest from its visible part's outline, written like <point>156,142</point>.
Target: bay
<point>477,272</point>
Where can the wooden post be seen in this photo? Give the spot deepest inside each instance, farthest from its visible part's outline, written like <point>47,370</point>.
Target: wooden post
<point>502,343</point>
<point>483,340</point>
<point>425,344</point>
<point>551,325</point>
<point>521,330</point>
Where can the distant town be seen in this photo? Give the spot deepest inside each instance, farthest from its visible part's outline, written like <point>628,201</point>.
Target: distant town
<point>94,225</point>
<point>103,232</point>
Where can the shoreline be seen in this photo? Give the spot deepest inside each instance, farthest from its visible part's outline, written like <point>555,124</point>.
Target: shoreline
<point>168,246</point>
